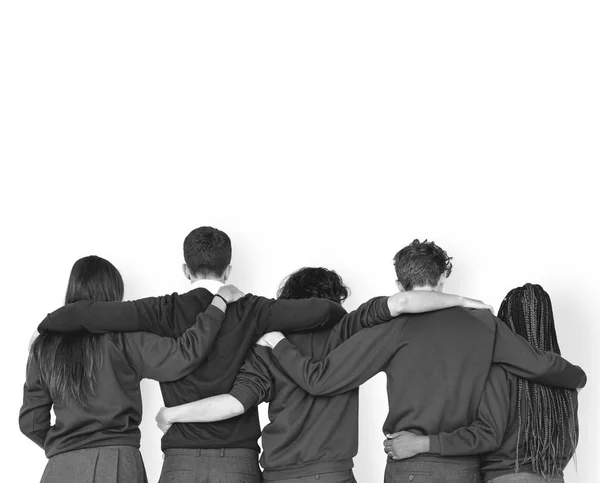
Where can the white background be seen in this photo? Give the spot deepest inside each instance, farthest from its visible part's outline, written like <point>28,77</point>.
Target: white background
<point>314,133</point>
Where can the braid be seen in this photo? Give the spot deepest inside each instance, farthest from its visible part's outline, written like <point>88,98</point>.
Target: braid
<point>547,427</point>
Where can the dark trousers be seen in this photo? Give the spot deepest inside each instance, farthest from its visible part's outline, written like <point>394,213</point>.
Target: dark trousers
<point>335,477</point>
<point>526,478</point>
<point>442,470</point>
<point>228,465</point>
<point>108,464</point>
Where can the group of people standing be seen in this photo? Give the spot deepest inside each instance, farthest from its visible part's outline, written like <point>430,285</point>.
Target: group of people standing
<point>472,397</point>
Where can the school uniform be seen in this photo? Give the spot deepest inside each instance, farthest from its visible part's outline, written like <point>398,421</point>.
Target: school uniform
<point>436,365</point>
<point>99,443</point>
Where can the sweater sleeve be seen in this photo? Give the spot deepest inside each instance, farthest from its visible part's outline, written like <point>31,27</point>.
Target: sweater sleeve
<point>520,358</point>
<point>486,433</point>
<point>346,367</point>
<point>165,359</point>
<point>34,417</point>
<point>147,315</point>
<point>253,384</point>
<point>369,314</point>
<point>292,315</point>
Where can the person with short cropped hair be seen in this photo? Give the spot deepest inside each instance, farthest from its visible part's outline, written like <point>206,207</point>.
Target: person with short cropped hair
<point>525,431</point>
<point>222,449</point>
<point>436,365</point>
<point>307,437</point>
<point>92,381</point>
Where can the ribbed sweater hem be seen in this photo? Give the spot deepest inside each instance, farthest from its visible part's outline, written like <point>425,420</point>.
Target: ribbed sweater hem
<point>307,469</point>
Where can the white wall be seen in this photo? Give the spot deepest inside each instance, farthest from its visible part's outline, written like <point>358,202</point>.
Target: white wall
<point>318,133</point>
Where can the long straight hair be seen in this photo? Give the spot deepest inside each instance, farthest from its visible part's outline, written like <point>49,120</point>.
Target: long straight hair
<point>547,420</point>
<point>69,363</point>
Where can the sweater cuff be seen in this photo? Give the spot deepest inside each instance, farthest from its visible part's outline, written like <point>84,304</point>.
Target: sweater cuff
<point>214,313</point>
<point>435,444</point>
<point>281,348</point>
<point>245,396</point>
<point>384,309</point>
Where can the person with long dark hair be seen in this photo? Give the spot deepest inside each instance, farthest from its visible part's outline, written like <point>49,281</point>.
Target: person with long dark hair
<point>307,437</point>
<point>93,383</point>
<point>526,432</point>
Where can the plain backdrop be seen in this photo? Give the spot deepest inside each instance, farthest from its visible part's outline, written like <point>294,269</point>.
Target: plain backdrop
<point>315,134</point>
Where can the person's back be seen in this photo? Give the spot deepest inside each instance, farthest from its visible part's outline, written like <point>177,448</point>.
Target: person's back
<point>524,430</point>
<point>93,383</point>
<point>511,456</point>
<point>436,364</point>
<point>438,373</point>
<point>207,252</point>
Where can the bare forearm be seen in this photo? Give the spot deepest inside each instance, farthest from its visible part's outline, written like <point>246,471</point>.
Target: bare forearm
<point>418,301</point>
<point>215,408</point>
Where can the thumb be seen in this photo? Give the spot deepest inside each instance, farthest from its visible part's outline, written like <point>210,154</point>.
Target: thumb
<point>393,435</point>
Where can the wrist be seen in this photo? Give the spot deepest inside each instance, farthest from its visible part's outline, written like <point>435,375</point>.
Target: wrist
<point>423,444</point>
<point>275,340</point>
<point>396,304</point>
<point>219,302</point>
<point>168,415</point>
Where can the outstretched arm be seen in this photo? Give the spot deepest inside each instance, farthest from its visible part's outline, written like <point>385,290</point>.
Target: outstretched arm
<point>147,314</point>
<point>252,386</point>
<point>345,368</point>
<point>383,309</point>
<point>207,410</point>
<point>520,358</point>
<point>167,359</point>
<point>485,434</point>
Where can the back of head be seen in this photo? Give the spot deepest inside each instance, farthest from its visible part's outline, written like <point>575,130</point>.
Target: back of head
<point>69,363</point>
<point>207,252</point>
<point>547,419</point>
<point>314,282</point>
<point>421,264</point>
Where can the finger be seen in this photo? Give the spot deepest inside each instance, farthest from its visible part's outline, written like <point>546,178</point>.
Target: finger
<point>393,435</point>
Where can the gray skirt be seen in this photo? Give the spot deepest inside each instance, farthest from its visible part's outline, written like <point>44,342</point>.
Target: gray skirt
<point>108,464</point>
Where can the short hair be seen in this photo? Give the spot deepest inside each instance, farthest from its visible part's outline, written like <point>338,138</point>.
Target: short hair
<point>314,282</point>
<point>421,263</point>
<point>207,251</point>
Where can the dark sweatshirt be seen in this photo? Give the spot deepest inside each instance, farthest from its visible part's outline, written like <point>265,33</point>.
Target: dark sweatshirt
<point>113,416</point>
<point>245,321</point>
<point>494,432</point>
<point>436,365</point>
<point>306,435</point>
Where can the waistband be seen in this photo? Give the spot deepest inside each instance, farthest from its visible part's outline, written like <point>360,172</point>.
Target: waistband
<point>430,458</point>
<point>221,452</point>
<point>307,469</point>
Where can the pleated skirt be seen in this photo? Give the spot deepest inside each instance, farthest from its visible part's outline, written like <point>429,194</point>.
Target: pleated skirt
<point>109,464</point>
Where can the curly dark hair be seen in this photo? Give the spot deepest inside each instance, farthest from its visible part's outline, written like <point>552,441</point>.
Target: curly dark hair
<point>314,282</point>
<point>421,263</point>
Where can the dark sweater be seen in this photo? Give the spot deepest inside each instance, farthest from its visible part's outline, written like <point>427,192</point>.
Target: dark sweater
<point>113,416</point>
<point>245,321</point>
<point>494,432</point>
<point>306,434</point>
<point>436,364</point>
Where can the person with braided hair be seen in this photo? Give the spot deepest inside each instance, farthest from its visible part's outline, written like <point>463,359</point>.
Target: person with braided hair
<point>526,432</point>
<point>436,363</point>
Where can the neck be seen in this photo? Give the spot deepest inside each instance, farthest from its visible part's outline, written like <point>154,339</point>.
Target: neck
<point>424,288</point>
<point>216,279</point>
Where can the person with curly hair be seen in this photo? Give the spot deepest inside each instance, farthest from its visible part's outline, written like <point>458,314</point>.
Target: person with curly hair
<point>307,437</point>
<point>436,365</point>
